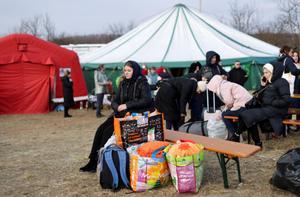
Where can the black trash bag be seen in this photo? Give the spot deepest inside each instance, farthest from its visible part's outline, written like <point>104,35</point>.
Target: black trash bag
<point>287,174</point>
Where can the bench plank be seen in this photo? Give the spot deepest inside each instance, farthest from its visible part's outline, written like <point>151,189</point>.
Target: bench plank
<point>291,122</point>
<point>233,149</point>
<point>233,118</point>
<point>294,110</point>
<point>296,96</point>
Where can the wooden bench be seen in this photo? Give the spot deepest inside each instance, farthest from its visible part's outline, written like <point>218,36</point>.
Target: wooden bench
<point>286,122</point>
<point>235,119</point>
<point>296,96</point>
<point>289,122</point>
<point>224,149</point>
<point>294,111</point>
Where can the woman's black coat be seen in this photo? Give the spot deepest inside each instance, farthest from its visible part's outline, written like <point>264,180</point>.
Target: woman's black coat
<point>289,66</point>
<point>275,102</point>
<point>173,95</point>
<point>68,92</point>
<point>135,93</point>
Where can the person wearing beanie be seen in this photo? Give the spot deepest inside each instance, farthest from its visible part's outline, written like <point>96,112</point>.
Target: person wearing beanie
<point>274,100</point>
<point>172,97</point>
<point>134,95</point>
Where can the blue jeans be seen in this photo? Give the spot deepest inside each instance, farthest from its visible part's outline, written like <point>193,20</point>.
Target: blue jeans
<point>99,103</point>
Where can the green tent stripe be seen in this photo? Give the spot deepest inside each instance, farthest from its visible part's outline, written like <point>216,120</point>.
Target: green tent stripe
<point>150,36</point>
<point>185,64</point>
<point>194,37</point>
<point>229,38</point>
<point>172,35</point>
<point>130,37</point>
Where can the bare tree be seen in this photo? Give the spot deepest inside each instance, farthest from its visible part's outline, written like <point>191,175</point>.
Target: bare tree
<point>243,16</point>
<point>289,19</point>
<point>39,26</point>
<point>30,26</point>
<point>49,28</point>
<point>119,29</point>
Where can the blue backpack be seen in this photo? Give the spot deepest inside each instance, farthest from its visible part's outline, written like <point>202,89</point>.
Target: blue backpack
<point>114,168</point>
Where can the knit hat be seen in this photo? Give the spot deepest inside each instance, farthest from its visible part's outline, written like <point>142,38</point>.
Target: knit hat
<point>269,67</point>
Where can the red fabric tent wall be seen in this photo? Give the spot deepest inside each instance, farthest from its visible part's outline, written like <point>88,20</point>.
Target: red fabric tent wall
<point>29,74</point>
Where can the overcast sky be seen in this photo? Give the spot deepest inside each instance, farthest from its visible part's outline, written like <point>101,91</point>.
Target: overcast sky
<point>94,16</point>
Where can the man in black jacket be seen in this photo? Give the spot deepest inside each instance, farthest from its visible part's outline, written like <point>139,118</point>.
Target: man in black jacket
<point>237,74</point>
<point>68,93</point>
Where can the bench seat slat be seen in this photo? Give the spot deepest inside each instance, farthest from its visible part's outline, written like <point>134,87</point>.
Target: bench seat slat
<point>291,122</point>
<point>296,96</point>
<point>233,149</point>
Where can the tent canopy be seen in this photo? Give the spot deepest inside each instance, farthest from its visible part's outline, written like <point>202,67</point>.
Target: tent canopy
<point>29,74</point>
<point>176,38</point>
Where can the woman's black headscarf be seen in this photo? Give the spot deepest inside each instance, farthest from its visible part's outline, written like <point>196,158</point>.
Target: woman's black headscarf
<point>137,71</point>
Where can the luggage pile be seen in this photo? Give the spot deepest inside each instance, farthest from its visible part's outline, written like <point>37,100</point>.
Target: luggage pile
<point>140,159</point>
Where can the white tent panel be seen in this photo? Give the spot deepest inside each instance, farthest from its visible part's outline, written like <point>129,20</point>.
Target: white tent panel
<point>180,34</point>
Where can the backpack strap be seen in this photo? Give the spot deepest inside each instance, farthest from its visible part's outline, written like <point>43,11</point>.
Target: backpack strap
<point>112,168</point>
<point>122,164</point>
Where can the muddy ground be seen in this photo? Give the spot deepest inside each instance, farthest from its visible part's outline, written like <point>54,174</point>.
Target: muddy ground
<point>40,156</point>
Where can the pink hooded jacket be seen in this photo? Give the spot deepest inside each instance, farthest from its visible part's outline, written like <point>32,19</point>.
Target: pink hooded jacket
<point>231,94</point>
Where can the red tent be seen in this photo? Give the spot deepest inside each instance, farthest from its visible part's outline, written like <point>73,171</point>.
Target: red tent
<point>30,74</point>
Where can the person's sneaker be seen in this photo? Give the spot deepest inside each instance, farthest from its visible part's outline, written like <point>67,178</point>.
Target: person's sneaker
<point>89,167</point>
<point>234,137</point>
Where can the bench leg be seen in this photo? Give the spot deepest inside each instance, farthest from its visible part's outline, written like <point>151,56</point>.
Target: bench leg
<point>223,163</point>
<point>236,159</point>
<point>221,158</point>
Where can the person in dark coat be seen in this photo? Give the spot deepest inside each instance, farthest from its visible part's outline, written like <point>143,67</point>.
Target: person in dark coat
<point>68,93</point>
<point>288,62</point>
<point>237,74</point>
<point>212,66</point>
<point>274,97</point>
<point>196,102</point>
<point>211,69</point>
<point>172,97</point>
<point>133,96</point>
<point>195,71</point>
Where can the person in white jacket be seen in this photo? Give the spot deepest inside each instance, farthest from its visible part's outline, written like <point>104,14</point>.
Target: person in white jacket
<point>101,81</point>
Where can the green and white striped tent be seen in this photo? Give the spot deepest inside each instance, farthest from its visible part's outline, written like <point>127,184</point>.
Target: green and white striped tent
<point>176,38</point>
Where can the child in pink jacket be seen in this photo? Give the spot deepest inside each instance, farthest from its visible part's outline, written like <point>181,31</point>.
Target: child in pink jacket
<point>234,96</point>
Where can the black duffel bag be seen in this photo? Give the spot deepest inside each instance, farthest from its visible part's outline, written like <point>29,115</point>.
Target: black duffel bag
<point>197,127</point>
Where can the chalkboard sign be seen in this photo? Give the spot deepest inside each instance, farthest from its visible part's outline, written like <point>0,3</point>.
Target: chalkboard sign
<point>132,133</point>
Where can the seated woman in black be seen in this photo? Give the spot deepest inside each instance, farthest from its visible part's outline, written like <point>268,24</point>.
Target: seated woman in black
<point>274,98</point>
<point>133,96</point>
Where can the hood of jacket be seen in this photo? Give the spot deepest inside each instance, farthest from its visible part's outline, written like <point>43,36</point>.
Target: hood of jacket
<point>209,55</point>
<point>215,83</point>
